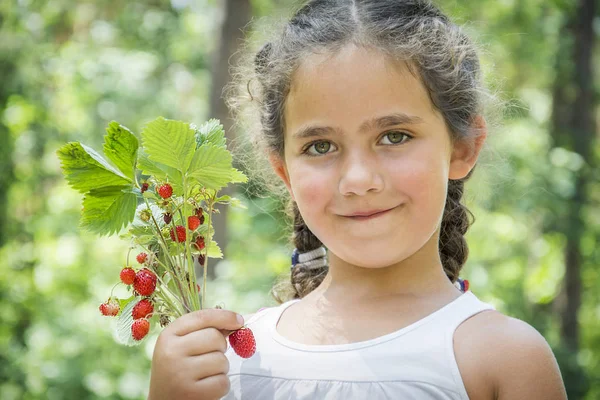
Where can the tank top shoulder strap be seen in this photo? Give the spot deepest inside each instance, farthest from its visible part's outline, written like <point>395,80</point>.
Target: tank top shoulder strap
<point>271,313</point>
<point>468,306</point>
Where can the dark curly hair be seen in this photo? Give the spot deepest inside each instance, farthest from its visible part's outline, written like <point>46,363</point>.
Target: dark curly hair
<point>414,31</point>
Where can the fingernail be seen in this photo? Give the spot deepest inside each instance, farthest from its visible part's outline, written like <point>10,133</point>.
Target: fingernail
<point>240,319</point>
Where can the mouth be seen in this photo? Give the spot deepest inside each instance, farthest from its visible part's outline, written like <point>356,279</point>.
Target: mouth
<point>369,216</point>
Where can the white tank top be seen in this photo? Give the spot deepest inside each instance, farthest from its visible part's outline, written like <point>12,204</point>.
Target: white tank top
<point>416,362</point>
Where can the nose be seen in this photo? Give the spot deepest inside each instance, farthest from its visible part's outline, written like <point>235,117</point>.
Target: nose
<point>360,175</point>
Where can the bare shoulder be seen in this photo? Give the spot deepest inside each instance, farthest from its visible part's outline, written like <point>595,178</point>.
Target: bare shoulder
<point>501,358</point>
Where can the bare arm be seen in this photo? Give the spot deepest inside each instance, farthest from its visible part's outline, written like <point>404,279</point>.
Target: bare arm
<point>526,368</point>
<point>503,358</point>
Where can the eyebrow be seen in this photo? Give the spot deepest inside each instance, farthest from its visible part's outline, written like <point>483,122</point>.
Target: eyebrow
<point>383,122</point>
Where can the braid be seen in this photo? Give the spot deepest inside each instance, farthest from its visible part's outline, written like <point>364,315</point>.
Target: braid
<point>455,222</point>
<point>303,280</point>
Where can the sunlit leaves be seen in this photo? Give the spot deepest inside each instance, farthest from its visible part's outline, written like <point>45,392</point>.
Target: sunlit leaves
<point>169,142</point>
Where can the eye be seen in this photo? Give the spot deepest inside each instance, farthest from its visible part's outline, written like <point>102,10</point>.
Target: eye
<point>396,137</point>
<point>321,147</point>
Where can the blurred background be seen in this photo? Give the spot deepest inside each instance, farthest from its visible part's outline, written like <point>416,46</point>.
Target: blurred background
<point>67,68</point>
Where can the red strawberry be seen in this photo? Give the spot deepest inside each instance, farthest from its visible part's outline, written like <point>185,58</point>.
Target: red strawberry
<point>193,222</point>
<point>201,259</point>
<point>140,328</point>
<point>198,212</point>
<point>127,275</point>
<point>165,191</point>
<point>200,242</point>
<point>142,309</point>
<point>144,187</point>
<point>243,342</point>
<point>110,308</point>
<point>180,233</point>
<point>141,258</point>
<point>144,282</point>
<point>167,217</point>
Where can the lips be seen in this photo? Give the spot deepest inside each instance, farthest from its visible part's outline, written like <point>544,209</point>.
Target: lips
<point>366,213</point>
<point>363,215</point>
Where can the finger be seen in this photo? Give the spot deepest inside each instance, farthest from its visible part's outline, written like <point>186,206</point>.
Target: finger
<point>210,317</point>
<point>213,387</point>
<point>206,365</point>
<point>203,341</point>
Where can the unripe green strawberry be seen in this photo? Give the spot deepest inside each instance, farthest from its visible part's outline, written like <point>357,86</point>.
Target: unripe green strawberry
<point>110,308</point>
<point>193,222</point>
<point>141,258</point>
<point>243,343</point>
<point>145,215</point>
<point>180,233</point>
<point>144,282</point>
<point>140,328</point>
<point>165,191</point>
<point>127,275</point>
<point>142,309</point>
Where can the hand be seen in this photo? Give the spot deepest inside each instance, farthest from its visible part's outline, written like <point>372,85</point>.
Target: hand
<point>189,357</point>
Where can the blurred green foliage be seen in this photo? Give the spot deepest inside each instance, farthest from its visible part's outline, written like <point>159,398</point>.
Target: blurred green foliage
<point>68,68</point>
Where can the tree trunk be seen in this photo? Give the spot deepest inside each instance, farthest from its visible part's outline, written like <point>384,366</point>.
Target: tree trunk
<point>237,15</point>
<point>582,140</point>
<point>573,127</point>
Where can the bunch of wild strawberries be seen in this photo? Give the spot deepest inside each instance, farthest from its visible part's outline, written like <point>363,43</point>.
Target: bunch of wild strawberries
<point>144,280</point>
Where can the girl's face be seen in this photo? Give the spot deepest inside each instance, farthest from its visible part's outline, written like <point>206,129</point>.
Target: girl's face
<point>361,136</point>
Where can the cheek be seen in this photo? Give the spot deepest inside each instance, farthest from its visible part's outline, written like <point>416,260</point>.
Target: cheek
<point>424,181</point>
<point>311,187</point>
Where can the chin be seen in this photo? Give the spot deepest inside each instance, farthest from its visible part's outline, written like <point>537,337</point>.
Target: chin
<point>371,262</point>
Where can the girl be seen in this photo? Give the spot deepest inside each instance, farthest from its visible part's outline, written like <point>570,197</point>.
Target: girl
<point>371,114</point>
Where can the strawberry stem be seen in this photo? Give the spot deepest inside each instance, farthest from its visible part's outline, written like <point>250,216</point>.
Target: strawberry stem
<point>208,239</point>
<point>188,250</point>
<point>170,261</point>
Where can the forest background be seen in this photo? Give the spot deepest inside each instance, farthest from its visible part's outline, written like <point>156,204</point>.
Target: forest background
<point>67,68</point>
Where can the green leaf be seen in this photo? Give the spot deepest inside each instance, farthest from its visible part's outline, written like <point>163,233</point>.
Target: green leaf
<point>124,326</point>
<point>238,176</point>
<point>213,250</point>
<point>107,210</point>
<point>121,147</point>
<point>169,142</point>
<point>161,172</point>
<point>237,203</point>
<point>234,202</point>
<point>211,132</point>
<point>211,166</point>
<point>148,167</point>
<point>85,169</point>
<point>123,303</point>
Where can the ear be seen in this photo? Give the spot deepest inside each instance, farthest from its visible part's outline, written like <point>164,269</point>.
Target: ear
<point>280,169</point>
<point>466,151</point>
